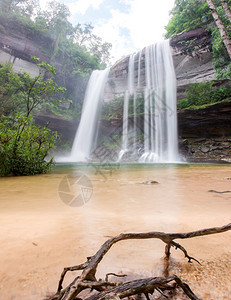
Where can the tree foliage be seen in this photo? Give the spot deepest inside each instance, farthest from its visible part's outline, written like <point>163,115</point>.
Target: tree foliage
<point>187,15</point>
<point>191,14</point>
<point>22,7</point>
<point>11,96</point>
<point>24,147</point>
<point>74,50</point>
<point>22,93</point>
<point>198,94</point>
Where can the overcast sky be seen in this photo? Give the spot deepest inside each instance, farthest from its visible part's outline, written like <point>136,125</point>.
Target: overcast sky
<point>129,25</point>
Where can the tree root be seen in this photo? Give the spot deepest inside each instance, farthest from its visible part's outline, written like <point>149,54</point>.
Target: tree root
<point>114,290</point>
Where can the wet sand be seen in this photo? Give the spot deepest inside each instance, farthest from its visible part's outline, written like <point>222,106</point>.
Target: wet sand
<point>40,234</point>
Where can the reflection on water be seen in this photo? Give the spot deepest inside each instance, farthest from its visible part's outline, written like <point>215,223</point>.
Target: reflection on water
<point>40,234</point>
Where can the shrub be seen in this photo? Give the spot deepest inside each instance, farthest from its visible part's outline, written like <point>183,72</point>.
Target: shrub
<point>182,103</point>
<point>24,146</point>
<point>198,94</point>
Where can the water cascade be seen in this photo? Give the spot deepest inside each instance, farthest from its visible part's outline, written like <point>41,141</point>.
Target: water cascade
<point>87,131</point>
<point>155,91</point>
<point>160,115</point>
<point>159,112</point>
<point>129,92</point>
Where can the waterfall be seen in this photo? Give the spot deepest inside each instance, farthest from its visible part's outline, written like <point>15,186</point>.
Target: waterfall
<point>160,115</point>
<point>149,111</point>
<point>128,93</point>
<point>87,130</point>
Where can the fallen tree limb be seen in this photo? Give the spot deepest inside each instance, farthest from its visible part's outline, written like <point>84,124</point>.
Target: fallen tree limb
<point>146,286</point>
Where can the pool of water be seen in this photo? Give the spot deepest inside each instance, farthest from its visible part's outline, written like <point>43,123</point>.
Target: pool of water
<point>55,220</point>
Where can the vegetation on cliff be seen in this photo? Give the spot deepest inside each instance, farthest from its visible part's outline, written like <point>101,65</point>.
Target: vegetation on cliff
<point>201,94</point>
<point>74,50</point>
<point>191,14</point>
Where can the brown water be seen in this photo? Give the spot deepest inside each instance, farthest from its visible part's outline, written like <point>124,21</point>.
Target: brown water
<point>40,234</point>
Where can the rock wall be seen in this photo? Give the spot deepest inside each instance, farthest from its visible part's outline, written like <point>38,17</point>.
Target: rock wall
<point>212,121</point>
<point>18,50</point>
<point>65,128</point>
<point>201,132</point>
<point>192,58</point>
<point>19,65</point>
<point>191,52</point>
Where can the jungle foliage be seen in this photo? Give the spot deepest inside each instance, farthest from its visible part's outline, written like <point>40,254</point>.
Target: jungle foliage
<point>74,50</point>
<point>191,14</point>
<point>199,94</point>
<point>187,15</point>
<point>25,147</point>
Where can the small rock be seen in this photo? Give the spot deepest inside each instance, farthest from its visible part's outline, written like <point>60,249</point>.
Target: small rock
<point>204,149</point>
<point>212,148</point>
<point>225,144</point>
<point>185,142</point>
<point>150,182</point>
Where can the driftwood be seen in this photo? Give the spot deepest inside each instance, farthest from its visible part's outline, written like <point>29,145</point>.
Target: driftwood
<point>105,289</point>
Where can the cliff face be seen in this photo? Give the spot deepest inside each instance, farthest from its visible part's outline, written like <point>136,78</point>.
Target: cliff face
<point>65,128</point>
<point>18,50</point>
<point>200,131</point>
<point>212,121</point>
<point>192,58</point>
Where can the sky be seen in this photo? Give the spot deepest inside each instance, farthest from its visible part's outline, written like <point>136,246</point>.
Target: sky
<point>129,25</point>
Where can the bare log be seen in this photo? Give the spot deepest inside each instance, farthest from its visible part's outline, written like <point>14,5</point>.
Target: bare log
<point>87,279</point>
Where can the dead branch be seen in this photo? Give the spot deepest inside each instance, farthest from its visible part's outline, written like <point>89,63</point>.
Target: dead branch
<point>147,286</point>
<point>113,274</point>
<point>144,286</point>
<point>178,246</point>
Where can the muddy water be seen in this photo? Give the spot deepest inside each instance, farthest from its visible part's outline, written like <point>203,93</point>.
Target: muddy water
<point>41,234</point>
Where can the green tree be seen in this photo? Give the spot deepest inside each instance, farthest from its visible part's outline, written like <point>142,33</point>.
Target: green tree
<point>83,35</point>
<point>55,19</point>
<point>220,25</point>
<point>190,14</point>
<point>24,146</point>
<point>74,51</point>
<point>24,7</point>
<point>187,15</point>
<point>11,95</point>
<point>22,93</point>
<point>38,90</point>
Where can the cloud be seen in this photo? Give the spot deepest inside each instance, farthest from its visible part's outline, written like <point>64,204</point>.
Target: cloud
<point>147,20</point>
<point>129,25</point>
<point>81,6</point>
<point>111,30</point>
<point>144,22</point>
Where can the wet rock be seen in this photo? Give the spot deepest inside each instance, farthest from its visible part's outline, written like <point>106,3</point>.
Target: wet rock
<point>225,145</point>
<point>204,149</point>
<point>212,148</point>
<point>149,182</point>
<point>211,122</point>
